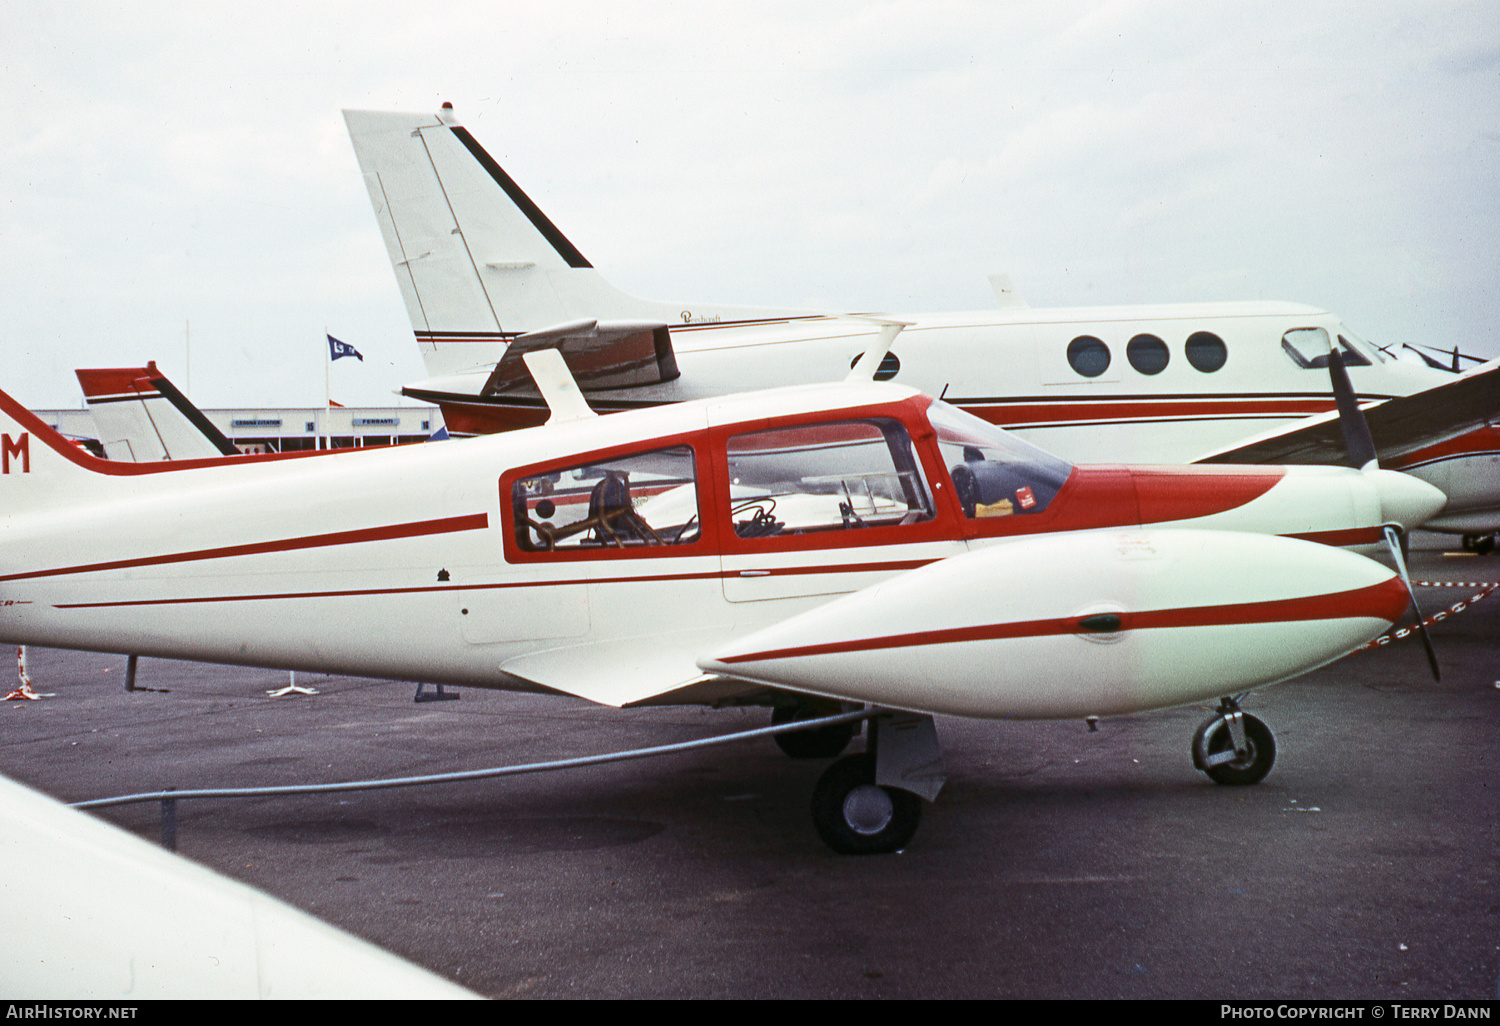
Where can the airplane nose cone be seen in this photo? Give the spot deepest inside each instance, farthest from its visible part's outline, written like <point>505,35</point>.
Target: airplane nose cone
<point>1405,500</point>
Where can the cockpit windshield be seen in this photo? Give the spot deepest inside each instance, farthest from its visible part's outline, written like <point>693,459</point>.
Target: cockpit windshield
<point>994,473</point>
<point>1353,341</point>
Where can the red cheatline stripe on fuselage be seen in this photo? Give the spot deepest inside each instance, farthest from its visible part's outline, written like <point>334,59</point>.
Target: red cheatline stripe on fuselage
<point>707,575</point>
<point>1068,411</point>
<point>1385,601</point>
<point>447,525</point>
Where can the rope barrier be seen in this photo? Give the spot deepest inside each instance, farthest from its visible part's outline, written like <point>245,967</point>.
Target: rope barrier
<point>1486,587</point>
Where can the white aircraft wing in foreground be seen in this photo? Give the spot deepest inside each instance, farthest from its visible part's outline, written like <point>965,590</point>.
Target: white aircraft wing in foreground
<point>91,912</point>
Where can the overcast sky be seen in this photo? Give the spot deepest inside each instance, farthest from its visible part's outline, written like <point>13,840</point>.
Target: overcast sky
<point>173,172</point>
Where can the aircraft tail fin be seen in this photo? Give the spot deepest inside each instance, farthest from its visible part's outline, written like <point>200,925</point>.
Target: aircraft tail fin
<point>39,468</point>
<point>142,417</point>
<point>477,261</point>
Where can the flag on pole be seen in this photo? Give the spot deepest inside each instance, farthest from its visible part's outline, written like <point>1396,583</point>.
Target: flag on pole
<point>337,350</point>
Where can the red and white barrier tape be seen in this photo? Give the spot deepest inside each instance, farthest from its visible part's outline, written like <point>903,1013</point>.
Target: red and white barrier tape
<point>1485,588</point>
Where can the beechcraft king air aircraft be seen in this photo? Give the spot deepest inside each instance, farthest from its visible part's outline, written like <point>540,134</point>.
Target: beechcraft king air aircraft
<point>856,546</point>
<point>487,277</point>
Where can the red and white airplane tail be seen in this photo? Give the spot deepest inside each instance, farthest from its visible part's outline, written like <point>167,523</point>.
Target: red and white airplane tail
<point>141,417</point>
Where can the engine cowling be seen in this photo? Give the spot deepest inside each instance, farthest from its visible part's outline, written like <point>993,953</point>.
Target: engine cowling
<point>1092,623</point>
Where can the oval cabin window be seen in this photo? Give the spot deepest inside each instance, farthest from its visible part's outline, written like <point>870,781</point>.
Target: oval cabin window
<point>1088,356</point>
<point>1147,354</point>
<point>1206,351</point>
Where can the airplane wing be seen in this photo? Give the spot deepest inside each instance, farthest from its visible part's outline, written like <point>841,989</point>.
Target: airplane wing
<point>1021,630</point>
<point>642,670</point>
<point>141,417</point>
<point>1078,624</point>
<point>1405,429</point>
<point>94,913</point>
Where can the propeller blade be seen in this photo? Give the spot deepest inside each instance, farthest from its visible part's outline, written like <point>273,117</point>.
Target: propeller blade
<point>1357,440</point>
<point>1395,544</point>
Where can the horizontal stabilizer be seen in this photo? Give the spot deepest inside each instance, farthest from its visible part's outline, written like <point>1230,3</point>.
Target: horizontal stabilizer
<point>600,354</point>
<point>1398,426</point>
<point>142,417</point>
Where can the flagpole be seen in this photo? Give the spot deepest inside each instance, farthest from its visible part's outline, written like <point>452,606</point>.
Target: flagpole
<point>327,393</point>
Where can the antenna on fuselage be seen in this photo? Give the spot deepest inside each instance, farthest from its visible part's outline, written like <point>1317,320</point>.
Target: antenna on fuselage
<point>1006,296</point>
<point>560,392</point>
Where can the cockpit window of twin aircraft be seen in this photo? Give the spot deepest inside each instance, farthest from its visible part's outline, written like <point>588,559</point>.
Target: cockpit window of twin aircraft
<point>627,502</point>
<point>1308,348</point>
<point>994,474</point>
<point>829,476</point>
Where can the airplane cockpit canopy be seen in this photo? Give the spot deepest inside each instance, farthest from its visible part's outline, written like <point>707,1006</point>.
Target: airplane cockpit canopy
<point>994,474</point>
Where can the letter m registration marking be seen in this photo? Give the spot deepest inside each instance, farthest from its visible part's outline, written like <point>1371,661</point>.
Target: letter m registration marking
<point>19,448</point>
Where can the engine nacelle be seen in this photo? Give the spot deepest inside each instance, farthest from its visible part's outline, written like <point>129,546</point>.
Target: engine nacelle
<point>1093,623</point>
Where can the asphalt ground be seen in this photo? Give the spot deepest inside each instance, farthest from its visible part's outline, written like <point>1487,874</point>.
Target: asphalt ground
<point>1056,863</point>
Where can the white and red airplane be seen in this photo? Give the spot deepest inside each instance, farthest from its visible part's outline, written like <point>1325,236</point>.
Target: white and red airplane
<point>806,548</point>
<point>486,277</point>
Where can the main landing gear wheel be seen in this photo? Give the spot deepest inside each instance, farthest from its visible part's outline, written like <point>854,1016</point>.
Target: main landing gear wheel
<point>855,816</point>
<point>823,743</point>
<point>1216,752</point>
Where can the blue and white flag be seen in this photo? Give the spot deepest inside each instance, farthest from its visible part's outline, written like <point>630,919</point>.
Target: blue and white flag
<point>337,349</point>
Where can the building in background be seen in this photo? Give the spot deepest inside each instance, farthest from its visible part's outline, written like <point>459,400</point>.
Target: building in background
<point>288,430</point>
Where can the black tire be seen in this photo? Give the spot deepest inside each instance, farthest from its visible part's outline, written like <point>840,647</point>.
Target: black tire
<point>1251,769</point>
<point>856,817</point>
<point>823,743</point>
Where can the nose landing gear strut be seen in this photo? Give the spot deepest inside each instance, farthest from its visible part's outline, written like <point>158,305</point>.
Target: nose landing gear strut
<point>1233,747</point>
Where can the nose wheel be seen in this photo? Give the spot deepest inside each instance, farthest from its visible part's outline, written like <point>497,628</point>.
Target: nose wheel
<point>1233,747</point>
<point>855,816</point>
